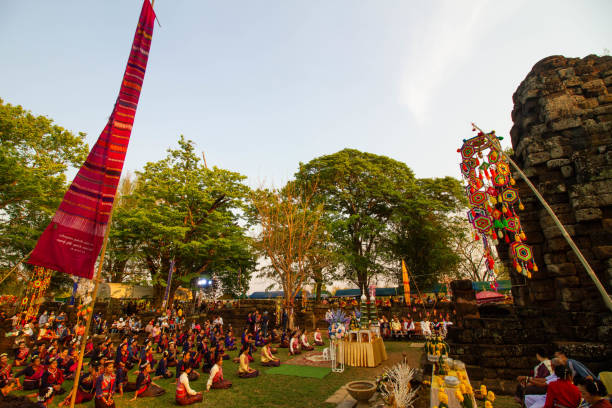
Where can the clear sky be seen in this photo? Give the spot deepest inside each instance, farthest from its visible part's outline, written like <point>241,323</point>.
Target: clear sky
<point>262,85</point>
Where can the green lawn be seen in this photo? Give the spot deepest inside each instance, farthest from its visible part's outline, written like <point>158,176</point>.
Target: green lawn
<point>267,390</point>
<point>270,390</point>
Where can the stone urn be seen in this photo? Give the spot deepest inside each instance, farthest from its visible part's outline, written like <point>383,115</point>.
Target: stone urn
<point>362,391</point>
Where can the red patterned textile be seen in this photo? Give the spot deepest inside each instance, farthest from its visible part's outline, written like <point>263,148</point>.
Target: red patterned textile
<point>72,241</point>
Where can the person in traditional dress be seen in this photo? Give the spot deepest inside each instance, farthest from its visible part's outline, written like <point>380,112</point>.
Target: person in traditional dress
<point>180,367</point>
<point>245,371</point>
<point>105,387</point>
<point>33,373</point>
<point>145,387</point>
<point>527,385</point>
<point>594,393</point>
<point>318,339</point>
<point>294,345</point>
<point>184,394</point>
<point>230,342</point>
<point>562,393</point>
<point>162,367</point>
<point>284,340</point>
<point>53,377</point>
<point>267,359</point>
<point>86,389</point>
<point>21,355</point>
<point>304,341</point>
<point>215,379</point>
<point>172,360</point>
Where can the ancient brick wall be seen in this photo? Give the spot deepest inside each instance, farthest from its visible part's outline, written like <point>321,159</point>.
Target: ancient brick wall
<point>562,139</point>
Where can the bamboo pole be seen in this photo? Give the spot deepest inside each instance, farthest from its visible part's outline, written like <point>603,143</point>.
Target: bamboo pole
<point>564,233</point>
<point>93,304</point>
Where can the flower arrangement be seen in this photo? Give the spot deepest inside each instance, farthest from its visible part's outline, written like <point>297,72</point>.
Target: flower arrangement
<point>337,320</point>
<point>436,347</point>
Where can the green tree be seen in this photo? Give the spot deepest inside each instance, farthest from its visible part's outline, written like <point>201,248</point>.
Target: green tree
<point>34,157</point>
<point>379,213</point>
<point>423,231</point>
<point>360,192</point>
<point>180,210</point>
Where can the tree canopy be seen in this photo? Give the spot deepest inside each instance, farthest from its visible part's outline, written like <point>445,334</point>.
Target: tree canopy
<point>379,213</point>
<point>183,211</point>
<point>35,154</point>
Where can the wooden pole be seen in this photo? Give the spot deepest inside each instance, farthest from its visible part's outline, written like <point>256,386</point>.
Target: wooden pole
<point>564,233</point>
<point>93,304</point>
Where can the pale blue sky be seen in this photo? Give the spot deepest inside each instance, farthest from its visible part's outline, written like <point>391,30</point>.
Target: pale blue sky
<point>262,85</point>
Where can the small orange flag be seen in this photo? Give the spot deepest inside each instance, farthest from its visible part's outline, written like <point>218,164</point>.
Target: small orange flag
<point>406,282</point>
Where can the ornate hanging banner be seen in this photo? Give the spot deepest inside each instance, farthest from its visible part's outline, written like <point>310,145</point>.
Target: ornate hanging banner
<point>33,297</point>
<point>493,199</point>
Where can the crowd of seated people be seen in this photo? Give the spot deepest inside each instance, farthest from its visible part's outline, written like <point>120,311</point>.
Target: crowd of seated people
<point>560,382</point>
<point>127,359</point>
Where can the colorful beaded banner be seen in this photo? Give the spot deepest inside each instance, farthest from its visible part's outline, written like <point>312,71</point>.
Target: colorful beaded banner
<point>30,303</point>
<point>493,196</point>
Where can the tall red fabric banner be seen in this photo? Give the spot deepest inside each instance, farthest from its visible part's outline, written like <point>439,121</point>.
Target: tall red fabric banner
<point>72,241</point>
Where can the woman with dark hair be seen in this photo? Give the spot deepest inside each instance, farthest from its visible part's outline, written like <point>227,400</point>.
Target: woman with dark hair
<point>562,393</point>
<point>145,387</point>
<point>33,373</point>
<point>86,389</point>
<point>244,370</point>
<point>185,395</point>
<point>267,359</point>
<point>527,385</point>
<point>215,379</point>
<point>162,367</point>
<point>594,393</point>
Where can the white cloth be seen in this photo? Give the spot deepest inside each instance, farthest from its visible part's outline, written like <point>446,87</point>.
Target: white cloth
<point>213,371</point>
<point>305,341</point>
<point>538,401</point>
<point>293,345</point>
<point>184,379</point>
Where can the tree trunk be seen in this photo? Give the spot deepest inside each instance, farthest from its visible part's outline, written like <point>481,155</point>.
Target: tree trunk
<point>318,286</point>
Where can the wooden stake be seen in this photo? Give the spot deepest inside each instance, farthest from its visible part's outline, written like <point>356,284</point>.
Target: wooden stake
<point>93,304</point>
<point>566,235</point>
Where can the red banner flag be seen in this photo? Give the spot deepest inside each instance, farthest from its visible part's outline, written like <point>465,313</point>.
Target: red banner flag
<point>72,241</point>
<point>406,283</point>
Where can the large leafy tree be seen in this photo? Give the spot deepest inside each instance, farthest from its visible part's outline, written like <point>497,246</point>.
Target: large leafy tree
<point>183,211</point>
<point>423,231</point>
<point>360,192</point>
<point>35,154</point>
<point>379,213</point>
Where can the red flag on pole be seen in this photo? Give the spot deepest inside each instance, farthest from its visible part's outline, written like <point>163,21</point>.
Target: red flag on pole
<point>72,241</point>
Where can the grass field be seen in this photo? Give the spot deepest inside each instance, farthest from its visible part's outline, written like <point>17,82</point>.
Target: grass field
<point>269,390</point>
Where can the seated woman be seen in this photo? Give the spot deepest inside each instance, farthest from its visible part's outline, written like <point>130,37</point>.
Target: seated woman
<point>304,342</point>
<point>105,387</point>
<point>53,377</point>
<point>294,345</point>
<point>275,336</point>
<point>594,393</point>
<point>221,352</point>
<point>21,355</point>
<point>86,389</point>
<point>33,373</point>
<point>215,379</point>
<point>562,393</point>
<point>318,339</point>
<point>396,328</point>
<point>284,340</point>
<point>230,342</point>
<point>172,361</point>
<point>526,384</point>
<point>184,394</point>
<point>267,359</point>
<point>259,340</point>
<point>245,371</point>
<point>182,365</point>
<point>246,349</point>
<point>162,367</point>
<point>145,387</point>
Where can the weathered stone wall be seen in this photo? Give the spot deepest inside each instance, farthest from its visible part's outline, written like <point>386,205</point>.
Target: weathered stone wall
<point>562,139</point>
